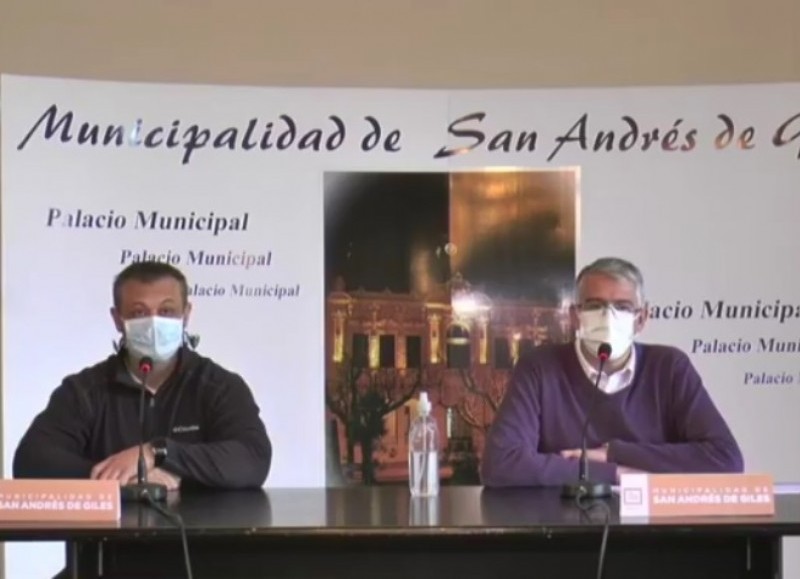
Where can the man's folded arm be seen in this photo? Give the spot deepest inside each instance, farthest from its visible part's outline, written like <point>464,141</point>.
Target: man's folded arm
<point>511,456</point>
<point>704,442</point>
<point>679,457</point>
<point>55,442</point>
<point>238,451</point>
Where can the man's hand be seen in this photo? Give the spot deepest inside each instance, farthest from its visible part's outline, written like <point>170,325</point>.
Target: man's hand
<point>159,476</point>
<point>122,466</point>
<point>593,454</point>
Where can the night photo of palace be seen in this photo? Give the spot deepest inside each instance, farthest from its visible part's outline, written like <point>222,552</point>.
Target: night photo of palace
<point>436,282</point>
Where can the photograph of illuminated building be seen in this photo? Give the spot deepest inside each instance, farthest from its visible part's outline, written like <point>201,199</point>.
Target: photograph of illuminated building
<point>437,282</point>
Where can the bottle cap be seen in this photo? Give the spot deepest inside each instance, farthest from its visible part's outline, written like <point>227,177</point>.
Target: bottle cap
<point>424,404</point>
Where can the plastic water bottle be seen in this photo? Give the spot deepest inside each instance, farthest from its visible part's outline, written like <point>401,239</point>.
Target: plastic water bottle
<point>423,511</point>
<point>423,452</point>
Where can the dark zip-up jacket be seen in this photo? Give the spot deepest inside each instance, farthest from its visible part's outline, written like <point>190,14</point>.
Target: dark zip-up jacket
<point>208,416</point>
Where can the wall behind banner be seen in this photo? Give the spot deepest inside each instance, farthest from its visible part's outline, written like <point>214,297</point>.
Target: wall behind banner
<point>450,43</point>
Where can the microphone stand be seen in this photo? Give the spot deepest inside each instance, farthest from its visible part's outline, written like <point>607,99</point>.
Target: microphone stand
<point>147,493</point>
<point>586,488</point>
<point>142,491</point>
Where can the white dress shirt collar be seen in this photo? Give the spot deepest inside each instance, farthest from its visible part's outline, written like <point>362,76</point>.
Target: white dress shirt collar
<point>609,383</point>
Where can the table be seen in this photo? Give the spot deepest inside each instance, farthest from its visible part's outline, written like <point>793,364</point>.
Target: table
<point>379,532</point>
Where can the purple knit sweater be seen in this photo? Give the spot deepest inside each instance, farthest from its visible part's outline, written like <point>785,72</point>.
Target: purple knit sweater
<point>664,421</point>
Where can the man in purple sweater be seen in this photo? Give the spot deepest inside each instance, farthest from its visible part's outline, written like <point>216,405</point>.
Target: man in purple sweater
<point>651,412</point>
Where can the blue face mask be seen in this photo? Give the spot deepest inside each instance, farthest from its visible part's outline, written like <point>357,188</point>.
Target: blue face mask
<point>156,337</point>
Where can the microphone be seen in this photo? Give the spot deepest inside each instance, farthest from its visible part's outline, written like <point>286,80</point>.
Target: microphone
<point>586,488</point>
<point>141,490</point>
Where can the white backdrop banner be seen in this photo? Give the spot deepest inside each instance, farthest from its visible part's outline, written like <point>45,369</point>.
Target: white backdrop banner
<point>697,186</point>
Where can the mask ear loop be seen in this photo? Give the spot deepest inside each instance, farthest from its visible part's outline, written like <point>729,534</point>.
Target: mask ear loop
<point>638,316</point>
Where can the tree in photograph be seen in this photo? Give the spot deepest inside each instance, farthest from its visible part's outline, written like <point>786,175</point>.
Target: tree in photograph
<point>482,391</point>
<point>361,398</point>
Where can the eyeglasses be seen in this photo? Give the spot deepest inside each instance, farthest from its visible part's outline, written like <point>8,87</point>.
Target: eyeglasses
<point>619,306</point>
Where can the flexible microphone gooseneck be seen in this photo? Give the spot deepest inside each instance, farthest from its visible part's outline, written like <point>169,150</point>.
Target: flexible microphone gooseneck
<point>586,488</point>
<point>141,490</point>
<point>152,494</point>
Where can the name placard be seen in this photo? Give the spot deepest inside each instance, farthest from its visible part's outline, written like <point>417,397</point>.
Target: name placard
<point>692,495</point>
<point>47,500</point>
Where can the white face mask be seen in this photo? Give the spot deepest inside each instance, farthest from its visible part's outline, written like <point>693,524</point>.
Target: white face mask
<point>607,325</point>
<point>155,336</point>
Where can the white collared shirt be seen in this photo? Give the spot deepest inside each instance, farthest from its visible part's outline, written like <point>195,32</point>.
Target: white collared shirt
<point>612,383</point>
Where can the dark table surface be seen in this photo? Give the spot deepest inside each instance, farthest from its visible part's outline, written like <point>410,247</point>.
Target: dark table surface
<point>390,511</point>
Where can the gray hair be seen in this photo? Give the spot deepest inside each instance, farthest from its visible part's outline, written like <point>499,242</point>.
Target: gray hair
<point>617,268</point>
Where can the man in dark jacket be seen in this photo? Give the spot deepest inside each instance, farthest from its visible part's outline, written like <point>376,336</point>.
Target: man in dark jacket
<point>202,424</point>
